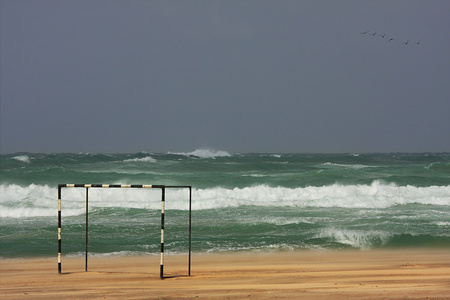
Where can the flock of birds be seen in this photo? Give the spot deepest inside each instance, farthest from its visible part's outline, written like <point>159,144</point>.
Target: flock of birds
<point>384,35</point>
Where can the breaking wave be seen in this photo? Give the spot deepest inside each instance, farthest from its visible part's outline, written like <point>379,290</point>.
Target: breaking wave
<point>22,158</point>
<point>204,153</point>
<point>40,200</point>
<point>143,159</point>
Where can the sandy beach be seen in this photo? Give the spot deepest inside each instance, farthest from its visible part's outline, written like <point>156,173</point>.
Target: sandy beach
<point>393,274</point>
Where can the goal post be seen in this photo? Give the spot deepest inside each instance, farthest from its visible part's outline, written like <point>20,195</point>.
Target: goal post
<point>163,196</point>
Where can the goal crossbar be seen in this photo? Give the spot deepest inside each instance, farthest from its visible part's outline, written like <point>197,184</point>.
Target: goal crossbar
<point>162,187</point>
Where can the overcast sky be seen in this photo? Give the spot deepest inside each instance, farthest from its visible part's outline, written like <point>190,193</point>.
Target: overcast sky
<point>239,76</point>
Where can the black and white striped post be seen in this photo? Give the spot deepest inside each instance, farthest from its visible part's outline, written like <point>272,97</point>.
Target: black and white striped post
<point>163,206</point>
<point>163,200</point>
<point>87,219</point>
<point>59,228</point>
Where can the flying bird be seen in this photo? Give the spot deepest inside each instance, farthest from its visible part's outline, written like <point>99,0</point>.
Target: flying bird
<point>388,38</point>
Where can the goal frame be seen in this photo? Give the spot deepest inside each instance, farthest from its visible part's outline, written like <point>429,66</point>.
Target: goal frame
<point>163,190</point>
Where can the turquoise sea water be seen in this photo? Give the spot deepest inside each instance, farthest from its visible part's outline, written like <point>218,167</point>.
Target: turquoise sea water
<point>251,202</point>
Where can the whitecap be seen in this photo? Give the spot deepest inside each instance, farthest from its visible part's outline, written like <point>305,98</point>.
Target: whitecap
<point>355,238</point>
<point>204,153</point>
<point>143,159</point>
<point>22,158</point>
<point>350,166</point>
<point>443,224</point>
<point>39,200</point>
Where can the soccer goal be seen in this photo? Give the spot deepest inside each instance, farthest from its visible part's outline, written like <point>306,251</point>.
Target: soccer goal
<point>133,186</point>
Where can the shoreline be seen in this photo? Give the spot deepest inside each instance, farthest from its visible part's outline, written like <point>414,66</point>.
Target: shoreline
<point>329,274</point>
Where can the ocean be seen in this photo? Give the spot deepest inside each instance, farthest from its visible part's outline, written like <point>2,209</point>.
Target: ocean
<point>256,202</point>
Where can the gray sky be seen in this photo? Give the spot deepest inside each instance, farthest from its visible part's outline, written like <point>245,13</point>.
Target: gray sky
<point>239,76</point>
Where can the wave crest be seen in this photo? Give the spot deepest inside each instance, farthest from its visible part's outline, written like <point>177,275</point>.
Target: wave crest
<point>22,158</point>
<point>204,153</point>
<point>142,159</point>
<point>376,195</point>
<point>38,200</point>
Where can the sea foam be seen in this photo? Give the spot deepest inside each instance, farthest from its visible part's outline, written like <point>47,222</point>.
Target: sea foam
<point>22,158</point>
<point>143,159</point>
<point>41,200</point>
<point>204,153</point>
<point>361,239</point>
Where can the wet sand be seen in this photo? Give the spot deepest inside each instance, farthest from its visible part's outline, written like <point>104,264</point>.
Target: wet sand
<point>380,274</point>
